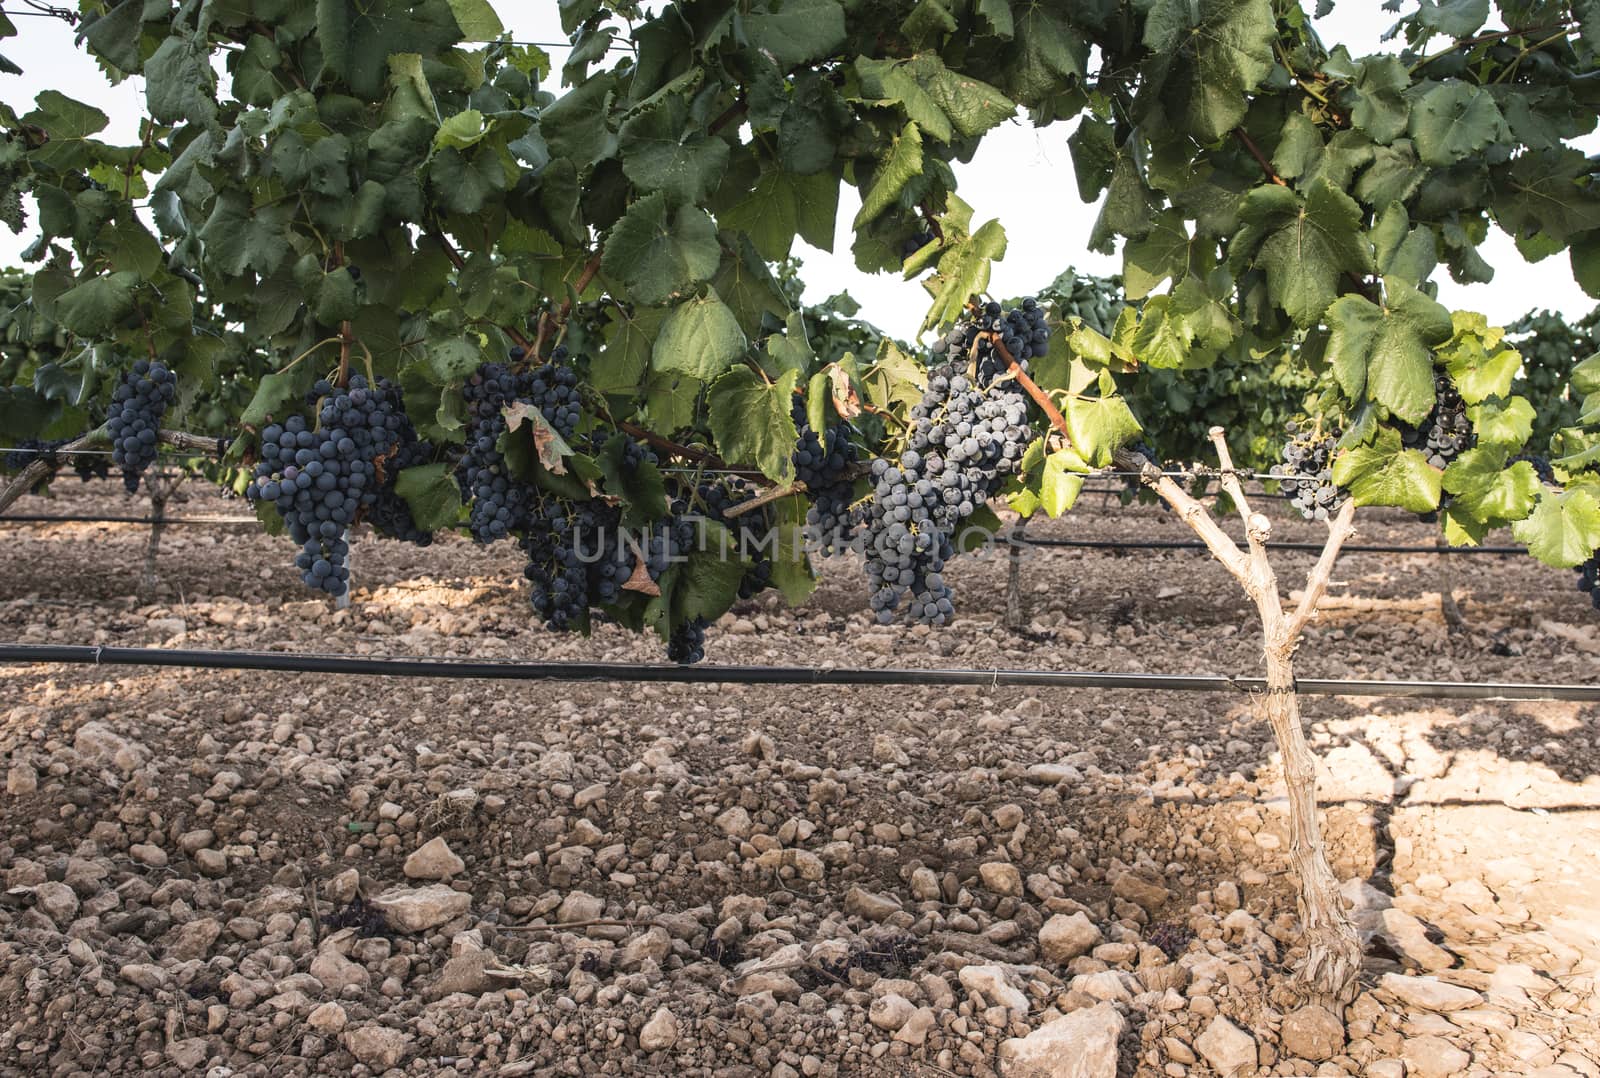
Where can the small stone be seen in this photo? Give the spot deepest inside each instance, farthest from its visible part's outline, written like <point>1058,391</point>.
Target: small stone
<point>211,862</point>
<point>56,901</point>
<point>146,854</point>
<point>193,940</point>
<point>889,1012</point>
<point>1433,1057</point>
<point>378,1046</point>
<point>1083,1044</point>
<point>734,822</point>
<point>1054,774</point>
<point>1007,816</point>
<point>1429,993</point>
<point>660,1033</point>
<point>420,909</point>
<point>1001,878</point>
<point>1146,894</point>
<point>653,946</point>
<point>1409,938</point>
<point>335,972</point>
<point>189,1054</point>
<point>98,743</point>
<point>433,860</point>
<point>1066,936</point>
<point>872,907</point>
<point>328,1018</point>
<point>146,975</point>
<point>580,906</point>
<point>1229,1049</point>
<point>1312,1032</point>
<point>917,1027</point>
<point>589,795</point>
<point>925,885</point>
<point>994,984</point>
<point>466,973</point>
<point>21,780</point>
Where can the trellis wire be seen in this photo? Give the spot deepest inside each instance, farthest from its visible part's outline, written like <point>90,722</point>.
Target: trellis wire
<point>1000,539</point>
<point>523,670</point>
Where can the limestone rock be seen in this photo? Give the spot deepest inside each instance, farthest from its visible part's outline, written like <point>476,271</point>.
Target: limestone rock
<point>422,908</point>
<point>872,907</point>
<point>433,860</point>
<point>378,1046</point>
<point>1229,1049</point>
<point>660,1033</point>
<point>328,1018</point>
<point>1312,1032</point>
<point>1001,878</point>
<point>336,972</point>
<point>580,906</point>
<point>889,1012</point>
<point>994,983</point>
<point>1083,1044</point>
<point>1429,993</point>
<point>1433,1057</point>
<point>1066,936</point>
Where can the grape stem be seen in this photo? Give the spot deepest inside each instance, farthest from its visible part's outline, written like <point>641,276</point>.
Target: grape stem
<point>759,500</point>
<point>1040,397</point>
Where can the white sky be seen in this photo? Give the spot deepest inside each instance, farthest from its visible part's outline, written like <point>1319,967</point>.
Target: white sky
<point>1021,175</point>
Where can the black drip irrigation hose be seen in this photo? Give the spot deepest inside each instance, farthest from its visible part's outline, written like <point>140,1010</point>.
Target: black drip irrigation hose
<point>517,670</point>
<point>163,521</point>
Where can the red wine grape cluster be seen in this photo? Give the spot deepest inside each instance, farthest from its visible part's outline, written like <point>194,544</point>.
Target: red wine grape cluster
<point>751,532</point>
<point>1447,432</point>
<point>389,514</point>
<point>576,559</point>
<point>1589,578</point>
<point>1306,474</point>
<point>134,418</point>
<point>688,642</point>
<point>825,464</point>
<point>321,478</point>
<point>500,502</point>
<point>968,433</point>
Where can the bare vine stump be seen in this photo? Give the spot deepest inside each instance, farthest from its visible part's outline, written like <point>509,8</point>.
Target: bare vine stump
<point>1453,618</point>
<point>162,490</point>
<point>1016,601</point>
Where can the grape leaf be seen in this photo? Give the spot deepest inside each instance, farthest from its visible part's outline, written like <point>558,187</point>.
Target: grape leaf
<point>798,32</point>
<point>1045,50</point>
<point>658,156</point>
<point>1386,474</point>
<point>942,103</point>
<point>784,205</point>
<point>1100,426</point>
<point>1060,484</point>
<point>1219,51</point>
<point>477,19</point>
<point>640,486</point>
<point>1508,423</point>
<point>1304,246</point>
<point>657,253</point>
<point>1488,490</point>
<point>791,569</point>
<point>1385,353</point>
<point>752,421</point>
<point>1563,530</point>
<point>899,166</point>
<point>701,338</point>
<point>432,494</point>
<point>98,304</point>
<point>1453,120</point>
<point>626,356</point>
<point>1378,105</point>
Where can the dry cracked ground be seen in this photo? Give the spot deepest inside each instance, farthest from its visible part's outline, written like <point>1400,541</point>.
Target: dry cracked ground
<point>249,873</point>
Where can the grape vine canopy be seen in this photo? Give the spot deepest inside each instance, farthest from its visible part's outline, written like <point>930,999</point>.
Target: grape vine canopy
<point>418,278</point>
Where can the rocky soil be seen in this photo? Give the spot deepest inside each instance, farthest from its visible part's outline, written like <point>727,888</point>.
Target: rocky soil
<point>237,873</point>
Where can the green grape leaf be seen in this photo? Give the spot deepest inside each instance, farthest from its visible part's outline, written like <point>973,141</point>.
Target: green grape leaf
<point>1498,422</point>
<point>114,37</point>
<point>1129,208</point>
<point>1305,247</point>
<point>707,583</point>
<point>640,486</point>
<point>464,129</point>
<point>626,355</point>
<point>658,156</point>
<point>700,338</point>
<point>964,272</point>
<point>1453,18</point>
<point>791,569</point>
<point>1163,252</point>
<point>799,32</point>
<point>1488,490</point>
<point>1099,427</point>
<point>899,166</point>
<point>1060,483</point>
<point>273,393</point>
<point>783,206</point>
<point>477,19</point>
<point>753,423</point>
<point>1219,51</point>
<point>658,253</point>
<point>1045,51</point>
<point>941,102</point>
<point>1585,258</point>
<point>1378,105</point>
<point>432,494</point>
<point>1162,340</point>
<point>1478,366</point>
<point>98,304</point>
<point>575,125</point>
<point>357,38</point>
<point>1385,353</point>
<point>1563,530</point>
<point>894,381</point>
<point>180,83</point>
<point>1400,251</point>
<point>1454,120</point>
<point>1386,474</point>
